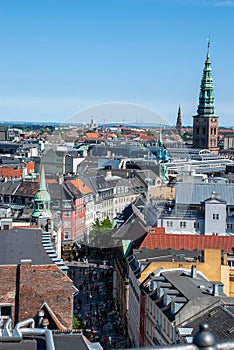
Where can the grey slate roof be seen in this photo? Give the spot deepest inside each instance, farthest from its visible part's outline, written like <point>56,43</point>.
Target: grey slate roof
<point>19,244</point>
<point>220,323</point>
<point>61,342</point>
<point>195,193</point>
<point>189,287</point>
<point>133,229</point>
<point>58,192</point>
<point>159,254</point>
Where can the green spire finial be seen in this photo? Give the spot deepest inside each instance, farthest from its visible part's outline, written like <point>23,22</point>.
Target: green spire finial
<point>208,49</point>
<point>42,186</point>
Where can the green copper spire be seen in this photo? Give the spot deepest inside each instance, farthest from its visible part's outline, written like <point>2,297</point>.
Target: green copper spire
<point>206,98</point>
<point>42,198</point>
<point>205,123</point>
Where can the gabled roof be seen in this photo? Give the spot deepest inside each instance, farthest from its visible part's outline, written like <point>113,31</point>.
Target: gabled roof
<point>132,229</point>
<point>75,192</point>
<point>186,241</point>
<point>214,200</point>
<point>83,188</point>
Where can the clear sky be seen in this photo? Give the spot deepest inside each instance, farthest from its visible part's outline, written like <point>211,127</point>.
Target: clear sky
<point>58,57</point>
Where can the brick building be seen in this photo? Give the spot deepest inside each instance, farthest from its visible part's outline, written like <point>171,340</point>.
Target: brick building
<point>30,280</point>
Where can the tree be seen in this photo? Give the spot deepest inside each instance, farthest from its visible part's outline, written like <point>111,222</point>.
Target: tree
<point>100,235</point>
<point>77,323</point>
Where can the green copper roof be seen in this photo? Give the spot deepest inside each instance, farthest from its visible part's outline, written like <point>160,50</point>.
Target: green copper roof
<point>206,98</point>
<point>42,193</point>
<point>126,243</point>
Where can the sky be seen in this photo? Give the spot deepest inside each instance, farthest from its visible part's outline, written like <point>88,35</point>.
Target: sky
<point>60,57</point>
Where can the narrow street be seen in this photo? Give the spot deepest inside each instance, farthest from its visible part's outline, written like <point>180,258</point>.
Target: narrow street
<point>95,305</point>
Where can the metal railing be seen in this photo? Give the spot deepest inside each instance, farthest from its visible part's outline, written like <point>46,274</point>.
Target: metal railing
<point>202,340</point>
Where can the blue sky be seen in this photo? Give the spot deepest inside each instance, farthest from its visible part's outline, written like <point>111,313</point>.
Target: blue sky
<point>62,56</point>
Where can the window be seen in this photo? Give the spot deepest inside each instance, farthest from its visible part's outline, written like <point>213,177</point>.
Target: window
<point>211,131</point>
<point>203,131</point>
<point>197,131</point>
<point>229,226</point>
<point>182,224</point>
<point>67,234</point>
<point>67,213</point>
<point>215,216</point>
<point>67,204</point>
<point>214,131</point>
<point>5,311</point>
<point>55,203</point>
<point>196,224</point>
<point>169,224</point>
<point>67,224</point>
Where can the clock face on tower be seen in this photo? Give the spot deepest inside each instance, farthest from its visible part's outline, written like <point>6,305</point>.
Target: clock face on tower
<point>213,120</point>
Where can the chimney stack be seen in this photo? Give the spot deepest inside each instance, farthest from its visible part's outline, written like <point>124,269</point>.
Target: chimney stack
<point>215,290</point>
<point>193,271</point>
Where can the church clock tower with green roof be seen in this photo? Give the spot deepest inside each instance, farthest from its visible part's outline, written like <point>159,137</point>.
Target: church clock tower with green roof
<point>205,123</point>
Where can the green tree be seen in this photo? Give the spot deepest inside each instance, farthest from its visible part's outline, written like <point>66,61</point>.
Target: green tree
<point>77,323</point>
<point>101,233</point>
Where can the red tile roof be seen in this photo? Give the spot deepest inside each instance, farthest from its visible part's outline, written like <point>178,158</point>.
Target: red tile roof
<point>160,239</point>
<point>92,135</point>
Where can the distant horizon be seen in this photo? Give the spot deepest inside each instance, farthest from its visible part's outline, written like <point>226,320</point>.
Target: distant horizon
<point>143,125</point>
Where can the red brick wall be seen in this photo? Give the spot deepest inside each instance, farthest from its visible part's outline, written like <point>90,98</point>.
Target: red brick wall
<point>8,286</point>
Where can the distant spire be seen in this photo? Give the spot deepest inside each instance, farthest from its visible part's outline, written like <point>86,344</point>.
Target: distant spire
<point>179,120</point>
<point>160,143</point>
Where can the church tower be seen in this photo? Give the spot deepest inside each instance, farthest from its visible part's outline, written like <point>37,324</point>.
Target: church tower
<point>179,121</point>
<point>205,123</point>
<point>42,200</point>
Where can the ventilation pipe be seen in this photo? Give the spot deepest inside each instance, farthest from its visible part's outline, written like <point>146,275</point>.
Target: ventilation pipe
<point>18,332</point>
